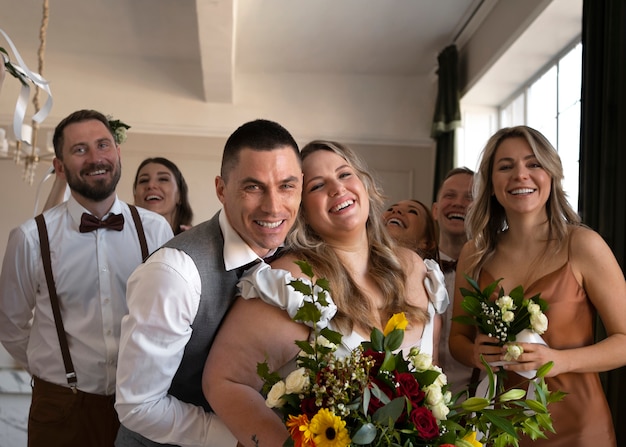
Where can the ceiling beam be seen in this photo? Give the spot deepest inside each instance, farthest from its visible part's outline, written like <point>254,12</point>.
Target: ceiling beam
<point>216,39</point>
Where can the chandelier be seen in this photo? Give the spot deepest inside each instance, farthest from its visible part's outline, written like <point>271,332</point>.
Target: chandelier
<point>24,150</point>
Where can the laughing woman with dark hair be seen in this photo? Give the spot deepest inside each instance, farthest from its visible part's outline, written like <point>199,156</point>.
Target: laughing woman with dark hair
<point>160,187</point>
<point>411,224</point>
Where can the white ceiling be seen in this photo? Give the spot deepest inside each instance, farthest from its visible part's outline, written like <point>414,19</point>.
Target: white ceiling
<point>201,67</point>
<point>218,39</point>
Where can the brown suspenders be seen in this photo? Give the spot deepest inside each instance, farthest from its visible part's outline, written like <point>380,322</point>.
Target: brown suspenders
<point>140,233</point>
<point>44,244</point>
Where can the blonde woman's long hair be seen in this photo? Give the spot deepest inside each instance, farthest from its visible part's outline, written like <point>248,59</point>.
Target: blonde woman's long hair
<point>486,218</point>
<point>384,265</point>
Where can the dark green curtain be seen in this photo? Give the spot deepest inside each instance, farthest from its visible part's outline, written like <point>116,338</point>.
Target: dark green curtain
<point>603,152</point>
<point>447,113</point>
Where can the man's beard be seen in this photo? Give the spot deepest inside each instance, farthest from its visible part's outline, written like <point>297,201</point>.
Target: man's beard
<point>102,189</point>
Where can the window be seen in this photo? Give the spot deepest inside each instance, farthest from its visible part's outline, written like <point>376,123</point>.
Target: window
<point>550,103</point>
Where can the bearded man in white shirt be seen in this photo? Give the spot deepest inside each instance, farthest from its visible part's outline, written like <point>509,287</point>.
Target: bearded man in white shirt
<point>179,296</point>
<point>61,307</point>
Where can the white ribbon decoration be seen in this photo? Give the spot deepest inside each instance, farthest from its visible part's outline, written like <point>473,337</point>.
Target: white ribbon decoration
<point>525,336</point>
<point>2,71</point>
<point>22,100</point>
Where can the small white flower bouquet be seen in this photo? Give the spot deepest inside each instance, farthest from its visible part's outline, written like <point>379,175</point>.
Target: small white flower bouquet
<point>504,318</point>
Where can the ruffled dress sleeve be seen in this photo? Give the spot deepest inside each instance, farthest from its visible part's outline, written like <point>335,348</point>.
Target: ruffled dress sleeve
<point>435,286</point>
<point>272,286</point>
<point>438,302</point>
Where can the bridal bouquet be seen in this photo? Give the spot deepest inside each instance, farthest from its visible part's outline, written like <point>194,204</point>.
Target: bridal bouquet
<point>376,396</point>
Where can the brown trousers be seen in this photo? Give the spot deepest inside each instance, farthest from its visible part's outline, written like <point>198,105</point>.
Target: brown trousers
<point>61,418</point>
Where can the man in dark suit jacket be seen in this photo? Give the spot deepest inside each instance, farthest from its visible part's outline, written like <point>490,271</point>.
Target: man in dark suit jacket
<point>179,296</point>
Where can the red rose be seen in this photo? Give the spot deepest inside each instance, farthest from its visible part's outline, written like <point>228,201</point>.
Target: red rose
<point>425,423</point>
<point>378,357</point>
<point>307,406</point>
<point>409,387</point>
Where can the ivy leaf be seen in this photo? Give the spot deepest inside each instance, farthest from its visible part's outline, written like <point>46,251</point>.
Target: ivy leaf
<point>332,336</point>
<point>308,312</point>
<point>300,286</point>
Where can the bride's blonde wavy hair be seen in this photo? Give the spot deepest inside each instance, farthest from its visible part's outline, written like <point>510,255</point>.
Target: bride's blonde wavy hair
<point>486,218</point>
<point>385,268</point>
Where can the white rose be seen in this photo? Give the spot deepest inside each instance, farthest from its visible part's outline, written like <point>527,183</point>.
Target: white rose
<point>297,381</point>
<point>505,303</point>
<point>433,394</point>
<point>324,342</point>
<point>440,411</point>
<point>533,308</point>
<point>539,322</point>
<point>275,396</point>
<point>422,361</point>
<point>513,352</point>
<point>441,379</point>
<point>508,316</point>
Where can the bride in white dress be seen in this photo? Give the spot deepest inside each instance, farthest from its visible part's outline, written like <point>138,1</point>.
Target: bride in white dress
<point>340,233</point>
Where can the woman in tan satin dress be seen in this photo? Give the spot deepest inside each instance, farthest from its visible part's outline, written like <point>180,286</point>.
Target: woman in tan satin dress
<point>523,230</point>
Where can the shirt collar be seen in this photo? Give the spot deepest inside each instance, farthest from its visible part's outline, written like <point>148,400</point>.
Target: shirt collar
<point>76,210</point>
<point>236,251</point>
<point>445,257</point>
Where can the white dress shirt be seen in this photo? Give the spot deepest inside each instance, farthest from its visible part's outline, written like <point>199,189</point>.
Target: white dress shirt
<point>154,336</point>
<point>90,272</point>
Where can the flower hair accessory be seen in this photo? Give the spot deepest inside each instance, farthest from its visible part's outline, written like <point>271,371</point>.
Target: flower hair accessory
<point>119,129</point>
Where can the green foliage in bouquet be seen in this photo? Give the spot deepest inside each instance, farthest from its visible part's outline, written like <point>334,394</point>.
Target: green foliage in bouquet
<point>376,396</point>
<point>504,317</point>
<point>503,414</point>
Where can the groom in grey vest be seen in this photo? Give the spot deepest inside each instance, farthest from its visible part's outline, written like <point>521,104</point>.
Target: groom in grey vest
<point>178,297</point>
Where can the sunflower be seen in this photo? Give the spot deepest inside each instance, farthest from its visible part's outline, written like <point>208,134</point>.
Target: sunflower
<point>299,430</point>
<point>329,430</point>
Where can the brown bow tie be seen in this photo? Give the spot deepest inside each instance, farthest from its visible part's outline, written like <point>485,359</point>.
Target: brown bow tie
<point>89,222</point>
<point>448,266</point>
<point>240,270</point>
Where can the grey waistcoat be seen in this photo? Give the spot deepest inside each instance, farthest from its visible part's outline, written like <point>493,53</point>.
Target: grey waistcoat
<point>204,243</point>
